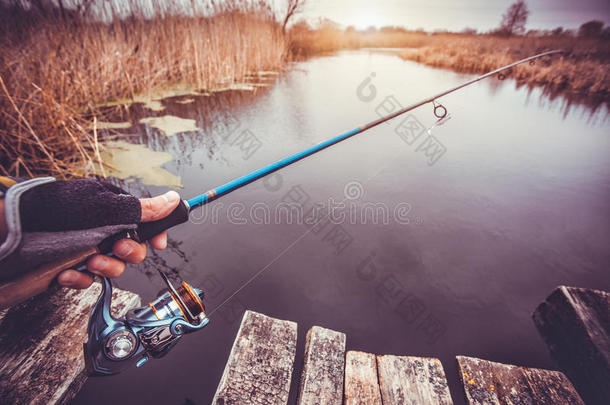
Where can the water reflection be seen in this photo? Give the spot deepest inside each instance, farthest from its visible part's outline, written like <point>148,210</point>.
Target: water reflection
<point>212,114</point>
<point>593,108</point>
<point>516,206</point>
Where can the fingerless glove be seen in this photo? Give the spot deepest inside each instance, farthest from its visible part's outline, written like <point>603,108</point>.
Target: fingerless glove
<point>49,219</point>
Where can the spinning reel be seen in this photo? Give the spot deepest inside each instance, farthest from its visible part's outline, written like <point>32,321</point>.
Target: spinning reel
<point>145,332</point>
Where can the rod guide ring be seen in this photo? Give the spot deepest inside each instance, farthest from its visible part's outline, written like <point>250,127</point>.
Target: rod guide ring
<point>440,111</point>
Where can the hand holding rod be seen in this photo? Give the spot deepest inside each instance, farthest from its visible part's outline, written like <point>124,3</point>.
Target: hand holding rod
<point>39,280</point>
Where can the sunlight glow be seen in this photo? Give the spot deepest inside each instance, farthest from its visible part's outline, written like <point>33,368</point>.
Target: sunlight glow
<point>362,18</point>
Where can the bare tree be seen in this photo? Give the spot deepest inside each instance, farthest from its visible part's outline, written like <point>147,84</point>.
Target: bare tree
<point>513,21</point>
<point>293,7</point>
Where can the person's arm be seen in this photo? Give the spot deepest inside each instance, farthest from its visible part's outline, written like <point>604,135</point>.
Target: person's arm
<point>43,219</point>
<point>128,250</point>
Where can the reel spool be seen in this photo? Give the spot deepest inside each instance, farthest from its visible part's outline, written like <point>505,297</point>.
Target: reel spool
<point>145,332</point>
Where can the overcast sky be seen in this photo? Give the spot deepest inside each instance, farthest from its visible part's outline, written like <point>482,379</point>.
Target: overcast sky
<point>455,14</point>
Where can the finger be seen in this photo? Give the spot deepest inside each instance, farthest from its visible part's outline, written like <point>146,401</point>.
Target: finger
<point>74,279</point>
<point>159,207</point>
<point>159,241</point>
<point>105,266</point>
<point>129,250</point>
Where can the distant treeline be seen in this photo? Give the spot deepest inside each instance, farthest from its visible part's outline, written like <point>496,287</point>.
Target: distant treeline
<point>328,35</point>
<point>582,69</point>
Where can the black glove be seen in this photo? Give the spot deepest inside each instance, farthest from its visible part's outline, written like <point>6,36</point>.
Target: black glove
<point>53,219</point>
<point>77,204</point>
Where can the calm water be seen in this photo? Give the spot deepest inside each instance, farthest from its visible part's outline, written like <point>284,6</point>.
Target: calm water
<point>516,205</point>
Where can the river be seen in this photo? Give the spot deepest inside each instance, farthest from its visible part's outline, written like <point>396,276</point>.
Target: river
<point>443,241</point>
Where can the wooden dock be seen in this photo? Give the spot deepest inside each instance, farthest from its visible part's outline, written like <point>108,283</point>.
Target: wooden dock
<point>260,368</point>
<point>41,344</point>
<point>575,323</point>
<point>486,382</point>
<point>361,381</point>
<point>323,365</point>
<point>415,380</point>
<point>41,359</point>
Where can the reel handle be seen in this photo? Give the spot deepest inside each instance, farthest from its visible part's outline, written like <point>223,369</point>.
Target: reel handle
<point>38,280</point>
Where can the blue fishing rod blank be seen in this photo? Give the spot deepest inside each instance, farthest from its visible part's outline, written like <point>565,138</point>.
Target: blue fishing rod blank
<point>181,214</point>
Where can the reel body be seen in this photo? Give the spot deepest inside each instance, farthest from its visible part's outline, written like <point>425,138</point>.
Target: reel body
<point>149,331</point>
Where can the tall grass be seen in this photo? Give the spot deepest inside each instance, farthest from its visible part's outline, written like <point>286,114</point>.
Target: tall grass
<point>54,72</point>
<point>583,69</point>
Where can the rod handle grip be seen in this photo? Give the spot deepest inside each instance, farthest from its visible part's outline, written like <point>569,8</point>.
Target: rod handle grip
<point>37,281</point>
<point>147,230</point>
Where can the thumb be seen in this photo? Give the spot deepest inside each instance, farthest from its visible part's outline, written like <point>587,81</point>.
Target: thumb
<point>159,207</point>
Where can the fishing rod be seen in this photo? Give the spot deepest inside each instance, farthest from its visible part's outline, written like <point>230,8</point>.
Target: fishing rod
<point>37,281</point>
<point>152,330</point>
<point>439,111</point>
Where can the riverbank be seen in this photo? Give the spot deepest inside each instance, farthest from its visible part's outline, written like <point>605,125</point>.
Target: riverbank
<point>55,72</point>
<point>582,70</point>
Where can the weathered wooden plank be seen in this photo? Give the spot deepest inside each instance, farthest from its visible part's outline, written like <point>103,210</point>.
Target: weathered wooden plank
<point>323,367</point>
<point>41,344</point>
<point>259,368</point>
<point>486,382</point>
<point>575,323</point>
<point>361,383</point>
<point>412,380</point>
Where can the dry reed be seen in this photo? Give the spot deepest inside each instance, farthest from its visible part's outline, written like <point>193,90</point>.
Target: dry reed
<point>582,70</point>
<point>54,73</point>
